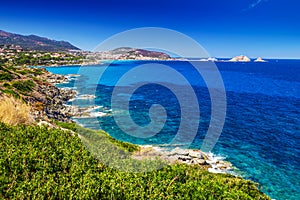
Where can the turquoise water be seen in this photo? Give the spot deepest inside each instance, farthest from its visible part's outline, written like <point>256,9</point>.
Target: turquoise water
<point>261,134</point>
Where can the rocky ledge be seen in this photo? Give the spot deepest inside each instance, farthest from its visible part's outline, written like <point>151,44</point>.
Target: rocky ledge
<point>208,161</point>
<point>49,101</point>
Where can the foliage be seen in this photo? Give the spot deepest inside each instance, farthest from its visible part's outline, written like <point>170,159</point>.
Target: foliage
<point>11,92</point>
<point>24,86</point>
<point>4,76</point>
<point>40,163</point>
<point>98,135</point>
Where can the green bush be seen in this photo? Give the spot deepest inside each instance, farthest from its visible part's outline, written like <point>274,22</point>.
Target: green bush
<point>24,86</point>
<point>4,76</point>
<point>43,163</point>
<point>7,85</point>
<point>11,92</point>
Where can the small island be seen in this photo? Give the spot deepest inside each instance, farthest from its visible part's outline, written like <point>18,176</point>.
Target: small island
<point>259,59</point>
<point>240,58</point>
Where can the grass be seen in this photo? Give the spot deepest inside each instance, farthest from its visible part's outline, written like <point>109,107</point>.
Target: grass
<point>40,163</point>
<point>14,111</point>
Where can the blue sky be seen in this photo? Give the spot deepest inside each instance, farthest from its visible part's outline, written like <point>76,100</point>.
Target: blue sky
<point>225,28</point>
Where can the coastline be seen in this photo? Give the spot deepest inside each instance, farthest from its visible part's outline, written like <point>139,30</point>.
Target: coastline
<point>53,119</point>
<point>208,161</point>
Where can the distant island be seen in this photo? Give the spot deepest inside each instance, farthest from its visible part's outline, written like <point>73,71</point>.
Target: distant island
<point>243,58</point>
<point>259,59</point>
<point>240,58</point>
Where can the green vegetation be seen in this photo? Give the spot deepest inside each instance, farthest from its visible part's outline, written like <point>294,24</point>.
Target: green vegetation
<point>19,81</point>
<point>39,163</point>
<point>4,76</point>
<point>101,137</point>
<point>24,86</point>
<point>43,58</point>
<point>11,93</point>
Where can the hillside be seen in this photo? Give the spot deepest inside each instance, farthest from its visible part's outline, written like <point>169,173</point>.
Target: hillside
<point>128,53</point>
<point>33,42</point>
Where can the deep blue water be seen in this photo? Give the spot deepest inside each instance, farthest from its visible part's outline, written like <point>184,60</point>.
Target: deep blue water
<point>261,135</point>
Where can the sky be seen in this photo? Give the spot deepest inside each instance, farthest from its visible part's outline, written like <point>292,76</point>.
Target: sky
<point>225,28</point>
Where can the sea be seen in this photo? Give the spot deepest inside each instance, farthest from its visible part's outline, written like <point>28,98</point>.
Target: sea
<point>261,132</point>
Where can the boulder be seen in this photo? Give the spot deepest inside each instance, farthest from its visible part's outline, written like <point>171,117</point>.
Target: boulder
<point>195,154</point>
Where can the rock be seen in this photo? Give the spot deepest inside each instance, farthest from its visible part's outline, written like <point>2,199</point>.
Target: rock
<point>216,171</point>
<point>178,151</point>
<point>200,162</point>
<point>184,158</point>
<point>195,154</point>
<point>44,123</point>
<point>240,58</point>
<point>259,59</point>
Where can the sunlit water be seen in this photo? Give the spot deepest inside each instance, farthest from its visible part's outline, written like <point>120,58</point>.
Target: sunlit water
<point>261,135</point>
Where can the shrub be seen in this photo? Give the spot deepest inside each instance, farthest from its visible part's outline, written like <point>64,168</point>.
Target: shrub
<point>24,86</point>
<point>11,92</point>
<point>43,163</point>
<point>7,85</point>
<point>5,76</point>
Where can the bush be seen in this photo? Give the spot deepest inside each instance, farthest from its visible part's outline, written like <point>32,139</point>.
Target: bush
<point>7,85</point>
<point>11,92</point>
<point>5,76</point>
<point>24,86</point>
<point>43,163</point>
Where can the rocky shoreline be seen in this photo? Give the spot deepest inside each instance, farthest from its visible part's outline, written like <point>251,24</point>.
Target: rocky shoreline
<point>49,101</point>
<point>56,108</point>
<point>209,161</point>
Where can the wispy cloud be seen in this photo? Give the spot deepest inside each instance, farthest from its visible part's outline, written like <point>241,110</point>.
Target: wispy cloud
<point>254,4</point>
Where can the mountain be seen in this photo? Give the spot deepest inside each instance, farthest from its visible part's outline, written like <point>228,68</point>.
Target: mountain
<point>33,42</point>
<point>125,53</point>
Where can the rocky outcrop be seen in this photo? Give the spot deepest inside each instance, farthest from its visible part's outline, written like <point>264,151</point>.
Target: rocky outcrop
<point>49,101</point>
<point>259,59</point>
<point>240,58</point>
<point>208,161</point>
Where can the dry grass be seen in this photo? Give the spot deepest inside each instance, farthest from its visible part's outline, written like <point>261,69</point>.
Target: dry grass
<point>14,111</point>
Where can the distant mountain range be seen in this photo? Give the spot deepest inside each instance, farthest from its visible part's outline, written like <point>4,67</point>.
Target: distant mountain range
<point>33,42</point>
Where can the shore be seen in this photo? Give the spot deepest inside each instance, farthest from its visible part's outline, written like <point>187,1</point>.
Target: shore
<point>208,161</point>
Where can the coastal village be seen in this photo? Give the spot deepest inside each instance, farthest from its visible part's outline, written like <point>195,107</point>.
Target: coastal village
<point>19,56</point>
